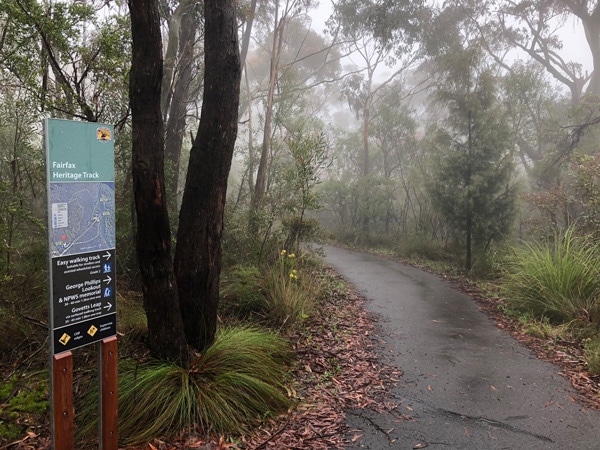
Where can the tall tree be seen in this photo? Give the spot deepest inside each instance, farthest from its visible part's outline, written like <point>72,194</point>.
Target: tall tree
<point>534,29</point>
<point>298,59</point>
<point>178,89</point>
<point>166,338</point>
<point>198,253</point>
<point>382,33</point>
<point>470,183</point>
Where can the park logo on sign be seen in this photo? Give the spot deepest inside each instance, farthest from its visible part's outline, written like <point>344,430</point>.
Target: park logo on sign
<point>103,134</point>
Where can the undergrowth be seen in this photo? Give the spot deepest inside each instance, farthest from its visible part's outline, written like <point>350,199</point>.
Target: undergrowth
<point>23,404</point>
<point>279,296</point>
<point>236,382</point>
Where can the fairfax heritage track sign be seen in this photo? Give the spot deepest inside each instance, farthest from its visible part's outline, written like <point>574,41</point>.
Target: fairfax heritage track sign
<point>81,233</point>
<point>81,252</point>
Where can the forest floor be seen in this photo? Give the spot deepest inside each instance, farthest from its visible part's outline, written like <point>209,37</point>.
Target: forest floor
<point>339,369</point>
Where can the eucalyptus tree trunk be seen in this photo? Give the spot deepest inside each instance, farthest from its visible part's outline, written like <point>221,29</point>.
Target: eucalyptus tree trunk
<point>179,98</point>
<point>261,175</point>
<point>166,338</point>
<point>198,252</point>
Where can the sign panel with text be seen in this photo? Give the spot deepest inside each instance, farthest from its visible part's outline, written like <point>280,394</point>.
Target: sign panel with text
<point>81,232</point>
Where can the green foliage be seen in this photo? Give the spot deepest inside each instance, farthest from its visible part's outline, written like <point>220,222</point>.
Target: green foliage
<point>587,185</point>
<point>84,46</point>
<point>591,349</point>
<point>241,292</point>
<point>131,320</point>
<point>360,206</point>
<point>543,329</point>
<point>23,403</point>
<point>395,24</point>
<point>421,247</point>
<point>310,157</point>
<point>280,295</point>
<point>299,229</point>
<point>558,281</point>
<point>281,214</point>
<point>21,180</point>
<point>574,202</point>
<point>237,381</point>
<point>24,303</point>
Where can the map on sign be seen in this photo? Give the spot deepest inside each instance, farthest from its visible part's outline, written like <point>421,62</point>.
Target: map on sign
<point>82,217</point>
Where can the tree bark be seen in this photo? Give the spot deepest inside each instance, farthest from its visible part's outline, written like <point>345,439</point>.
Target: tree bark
<point>261,176</point>
<point>176,122</point>
<point>198,252</point>
<point>166,338</point>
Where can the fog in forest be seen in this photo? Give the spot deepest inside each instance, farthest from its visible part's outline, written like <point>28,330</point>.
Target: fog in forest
<point>460,136</point>
<point>407,124</point>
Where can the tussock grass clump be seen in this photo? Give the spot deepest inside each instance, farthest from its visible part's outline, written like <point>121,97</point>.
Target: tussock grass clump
<point>237,381</point>
<point>559,281</point>
<point>289,294</point>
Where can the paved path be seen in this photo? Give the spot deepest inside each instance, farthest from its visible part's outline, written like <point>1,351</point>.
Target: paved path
<point>466,384</point>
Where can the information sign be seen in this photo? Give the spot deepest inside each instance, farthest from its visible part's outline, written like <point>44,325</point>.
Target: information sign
<point>81,232</point>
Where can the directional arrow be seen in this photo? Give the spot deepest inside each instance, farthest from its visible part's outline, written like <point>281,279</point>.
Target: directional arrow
<point>108,279</point>
<point>108,307</point>
<point>107,255</point>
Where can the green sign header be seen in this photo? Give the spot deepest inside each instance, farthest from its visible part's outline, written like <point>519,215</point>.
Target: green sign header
<point>79,151</point>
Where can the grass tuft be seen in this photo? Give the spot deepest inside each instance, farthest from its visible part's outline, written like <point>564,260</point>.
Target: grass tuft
<point>558,281</point>
<point>289,292</point>
<point>239,380</point>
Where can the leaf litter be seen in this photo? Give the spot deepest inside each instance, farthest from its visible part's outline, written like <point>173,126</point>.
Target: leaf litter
<point>337,369</point>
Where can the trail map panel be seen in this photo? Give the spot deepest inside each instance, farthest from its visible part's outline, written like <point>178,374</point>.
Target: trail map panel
<point>82,217</point>
<point>81,232</point>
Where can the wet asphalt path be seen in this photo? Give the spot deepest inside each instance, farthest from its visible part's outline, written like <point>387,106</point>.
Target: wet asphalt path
<point>466,384</point>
